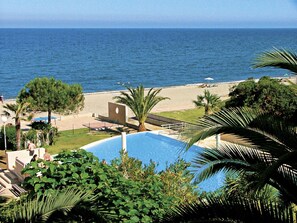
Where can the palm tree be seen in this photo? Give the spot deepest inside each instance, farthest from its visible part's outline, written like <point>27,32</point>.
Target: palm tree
<point>208,101</point>
<point>20,114</point>
<point>266,150</point>
<point>279,58</point>
<point>59,206</point>
<point>139,103</point>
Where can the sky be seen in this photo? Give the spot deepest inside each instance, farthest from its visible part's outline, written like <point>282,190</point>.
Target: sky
<point>148,13</point>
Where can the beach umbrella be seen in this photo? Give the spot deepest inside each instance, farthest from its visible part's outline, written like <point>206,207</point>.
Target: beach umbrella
<point>208,79</point>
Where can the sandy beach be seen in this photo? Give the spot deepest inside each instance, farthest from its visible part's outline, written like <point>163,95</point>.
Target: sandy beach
<point>181,97</point>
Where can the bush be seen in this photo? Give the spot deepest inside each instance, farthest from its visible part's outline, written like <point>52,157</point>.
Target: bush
<point>40,125</point>
<point>10,138</point>
<point>45,134</point>
<point>138,197</point>
<point>30,135</point>
<point>268,95</point>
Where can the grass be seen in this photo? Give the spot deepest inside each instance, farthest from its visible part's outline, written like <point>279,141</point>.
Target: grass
<point>74,139</point>
<point>189,115</point>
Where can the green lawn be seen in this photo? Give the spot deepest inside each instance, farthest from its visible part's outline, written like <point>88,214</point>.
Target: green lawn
<point>189,115</point>
<point>68,140</point>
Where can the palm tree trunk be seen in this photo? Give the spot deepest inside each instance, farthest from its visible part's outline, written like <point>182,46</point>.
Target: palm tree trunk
<point>49,116</point>
<point>141,127</point>
<point>18,133</point>
<point>206,109</point>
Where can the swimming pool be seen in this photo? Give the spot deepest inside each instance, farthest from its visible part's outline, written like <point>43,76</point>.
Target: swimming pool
<point>148,146</point>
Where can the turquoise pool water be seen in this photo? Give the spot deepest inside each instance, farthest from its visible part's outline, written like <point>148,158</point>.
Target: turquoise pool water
<point>148,146</point>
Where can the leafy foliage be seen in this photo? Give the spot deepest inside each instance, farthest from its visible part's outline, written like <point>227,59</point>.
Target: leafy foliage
<point>132,197</point>
<point>139,103</point>
<point>50,95</point>
<point>40,125</point>
<point>176,178</point>
<point>10,137</point>
<point>267,151</point>
<point>268,95</point>
<point>209,101</point>
<point>42,133</point>
<point>240,185</point>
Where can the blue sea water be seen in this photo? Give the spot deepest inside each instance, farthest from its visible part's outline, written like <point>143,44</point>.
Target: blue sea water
<point>103,59</point>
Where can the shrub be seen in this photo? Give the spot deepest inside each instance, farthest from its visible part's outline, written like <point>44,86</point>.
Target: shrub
<point>40,125</point>
<point>10,137</point>
<point>45,134</point>
<point>268,95</point>
<point>126,199</point>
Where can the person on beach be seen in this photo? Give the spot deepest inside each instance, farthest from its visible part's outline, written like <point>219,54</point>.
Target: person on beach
<point>47,156</point>
<point>1,99</point>
<point>31,147</point>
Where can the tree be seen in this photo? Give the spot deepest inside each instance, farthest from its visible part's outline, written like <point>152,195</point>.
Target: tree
<point>266,153</point>
<point>50,95</point>
<point>267,94</point>
<point>278,58</point>
<point>208,101</point>
<point>139,103</point>
<point>20,110</point>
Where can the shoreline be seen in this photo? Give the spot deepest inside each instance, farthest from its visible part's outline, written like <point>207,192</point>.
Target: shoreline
<point>96,103</point>
<point>292,78</point>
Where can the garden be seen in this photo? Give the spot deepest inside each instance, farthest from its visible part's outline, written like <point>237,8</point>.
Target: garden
<point>260,184</point>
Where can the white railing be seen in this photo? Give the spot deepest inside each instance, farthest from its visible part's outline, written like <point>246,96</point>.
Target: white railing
<point>175,126</point>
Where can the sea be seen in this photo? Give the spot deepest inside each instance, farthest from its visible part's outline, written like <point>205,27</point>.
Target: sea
<point>108,59</point>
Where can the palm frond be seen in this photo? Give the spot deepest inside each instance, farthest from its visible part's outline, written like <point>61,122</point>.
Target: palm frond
<point>39,210</point>
<point>279,58</point>
<point>254,127</point>
<point>268,153</point>
<point>214,209</point>
<point>228,158</point>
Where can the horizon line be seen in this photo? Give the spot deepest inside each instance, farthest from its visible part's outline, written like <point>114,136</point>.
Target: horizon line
<point>148,27</point>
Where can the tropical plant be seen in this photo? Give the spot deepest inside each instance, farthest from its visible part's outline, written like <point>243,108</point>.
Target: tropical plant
<point>279,58</point>
<point>20,110</point>
<point>139,103</point>
<point>267,150</point>
<point>239,209</point>
<point>62,206</point>
<point>50,95</point>
<point>208,101</point>
<point>267,94</point>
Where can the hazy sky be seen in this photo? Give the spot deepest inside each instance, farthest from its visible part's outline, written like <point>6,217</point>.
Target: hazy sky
<point>148,13</point>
